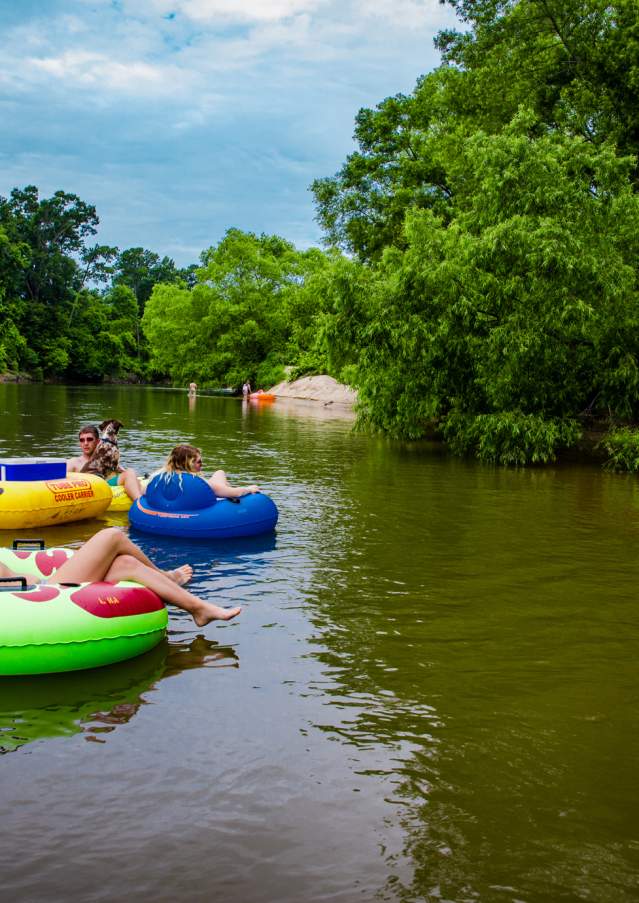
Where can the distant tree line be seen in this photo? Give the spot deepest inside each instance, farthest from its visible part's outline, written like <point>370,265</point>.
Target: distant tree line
<point>74,310</point>
<point>71,309</point>
<point>481,267</point>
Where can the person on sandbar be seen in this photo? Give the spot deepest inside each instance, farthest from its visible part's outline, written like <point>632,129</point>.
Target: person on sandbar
<point>109,555</point>
<point>188,459</point>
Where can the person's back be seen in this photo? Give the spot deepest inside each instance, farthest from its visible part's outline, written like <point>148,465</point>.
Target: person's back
<point>188,459</point>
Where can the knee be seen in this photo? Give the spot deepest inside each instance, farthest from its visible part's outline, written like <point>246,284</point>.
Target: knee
<point>128,566</point>
<point>113,536</point>
<point>219,475</point>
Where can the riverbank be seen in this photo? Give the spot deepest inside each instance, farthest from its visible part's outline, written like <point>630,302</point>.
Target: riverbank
<point>322,389</point>
<point>15,378</point>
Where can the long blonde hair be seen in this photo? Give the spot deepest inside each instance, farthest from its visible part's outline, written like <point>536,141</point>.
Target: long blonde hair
<point>181,459</point>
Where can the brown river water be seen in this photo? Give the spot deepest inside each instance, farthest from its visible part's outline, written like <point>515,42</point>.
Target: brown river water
<point>432,692</point>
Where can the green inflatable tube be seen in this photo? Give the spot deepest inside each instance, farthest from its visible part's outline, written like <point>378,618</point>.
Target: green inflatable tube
<point>46,629</point>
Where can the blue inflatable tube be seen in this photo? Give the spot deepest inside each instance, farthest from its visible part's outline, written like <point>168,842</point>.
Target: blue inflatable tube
<point>182,504</point>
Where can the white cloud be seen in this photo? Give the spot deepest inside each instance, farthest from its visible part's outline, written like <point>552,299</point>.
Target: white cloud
<point>236,11</point>
<point>93,70</point>
<point>177,127</point>
<point>405,14</point>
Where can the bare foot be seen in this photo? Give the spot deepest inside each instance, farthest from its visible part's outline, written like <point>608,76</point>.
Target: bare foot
<point>209,612</point>
<point>180,575</point>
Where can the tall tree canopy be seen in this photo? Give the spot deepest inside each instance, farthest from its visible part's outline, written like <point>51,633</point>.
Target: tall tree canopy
<point>140,270</point>
<point>574,63</point>
<point>494,215</point>
<point>52,262</point>
<point>238,319</point>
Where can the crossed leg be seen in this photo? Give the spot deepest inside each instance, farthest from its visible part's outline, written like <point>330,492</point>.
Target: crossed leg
<point>110,555</point>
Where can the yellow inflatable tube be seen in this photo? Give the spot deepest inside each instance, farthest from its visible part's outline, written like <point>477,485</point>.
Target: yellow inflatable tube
<point>44,503</point>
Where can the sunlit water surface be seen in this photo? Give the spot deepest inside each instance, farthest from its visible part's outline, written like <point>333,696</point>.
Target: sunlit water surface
<point>432,692</point>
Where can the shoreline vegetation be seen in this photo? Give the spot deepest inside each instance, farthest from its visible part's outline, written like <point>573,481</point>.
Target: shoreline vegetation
<point>321,395</point>
<point>479,272</point>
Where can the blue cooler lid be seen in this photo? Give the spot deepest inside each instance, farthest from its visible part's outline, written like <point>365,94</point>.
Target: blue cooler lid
<point>24,469</point>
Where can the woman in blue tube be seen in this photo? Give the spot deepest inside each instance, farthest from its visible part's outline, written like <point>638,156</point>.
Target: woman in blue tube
<point>188,459</point>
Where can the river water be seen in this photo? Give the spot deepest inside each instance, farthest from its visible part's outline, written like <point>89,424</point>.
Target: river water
<point>432,692</point>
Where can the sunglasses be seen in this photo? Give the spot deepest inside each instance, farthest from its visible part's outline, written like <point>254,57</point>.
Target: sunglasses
<point>87,439</point>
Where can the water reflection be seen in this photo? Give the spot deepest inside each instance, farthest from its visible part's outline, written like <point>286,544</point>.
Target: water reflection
<point>479,675</point>
<point>96,702</point>
<point>438,694</point>
<point>170,551</point>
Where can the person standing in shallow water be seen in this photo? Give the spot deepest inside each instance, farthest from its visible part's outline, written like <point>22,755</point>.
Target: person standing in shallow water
<point>192,388</point>
<point>246,389</point>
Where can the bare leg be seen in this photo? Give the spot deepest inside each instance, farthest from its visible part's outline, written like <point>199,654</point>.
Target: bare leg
<point>129,479</point>
<point>93,560</point>
<point>126,567</point>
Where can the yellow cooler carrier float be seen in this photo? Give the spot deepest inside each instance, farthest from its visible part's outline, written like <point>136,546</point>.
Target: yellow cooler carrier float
<point>36,492</point>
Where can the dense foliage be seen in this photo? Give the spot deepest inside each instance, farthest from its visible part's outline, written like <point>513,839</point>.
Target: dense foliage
<point>251,312</point>
<point>68,308</point>
<point>622,447</point>
<point>495,214</point>
<point>481,276</point>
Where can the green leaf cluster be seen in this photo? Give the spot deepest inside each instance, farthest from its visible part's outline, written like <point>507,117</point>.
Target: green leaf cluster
<point>493,215</point>
<point>252,312</point>
<point>70,309</point>
<point>622,446</point>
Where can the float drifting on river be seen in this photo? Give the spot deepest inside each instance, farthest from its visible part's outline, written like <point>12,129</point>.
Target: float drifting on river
<point>36,492</point>
<point>183,504</point>
<point>47,628</point>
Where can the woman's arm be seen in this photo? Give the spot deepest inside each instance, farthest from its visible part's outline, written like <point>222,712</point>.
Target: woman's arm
<point>223,489</point>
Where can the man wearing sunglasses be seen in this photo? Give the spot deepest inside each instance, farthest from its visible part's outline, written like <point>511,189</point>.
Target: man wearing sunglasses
<point>88,439</point>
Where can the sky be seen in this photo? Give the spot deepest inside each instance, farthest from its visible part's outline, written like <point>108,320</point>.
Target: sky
<point>179,119</point>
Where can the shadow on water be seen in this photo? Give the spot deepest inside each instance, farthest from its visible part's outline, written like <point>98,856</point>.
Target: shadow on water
<point>96,702</point>
<point>172,550</point>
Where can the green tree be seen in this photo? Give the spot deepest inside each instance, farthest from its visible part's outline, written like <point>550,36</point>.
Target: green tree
<point>521,312</point>
<point>574,63</point>
<point>237,321</point>
<point>396,168</point>
<point>140,270</point>
<point>13,345</point>
<point>96,343</point>
<point>55,263</point>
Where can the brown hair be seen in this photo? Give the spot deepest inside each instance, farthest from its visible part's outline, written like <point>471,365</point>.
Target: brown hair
<point>181,459</point>
<point>89,429</point>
